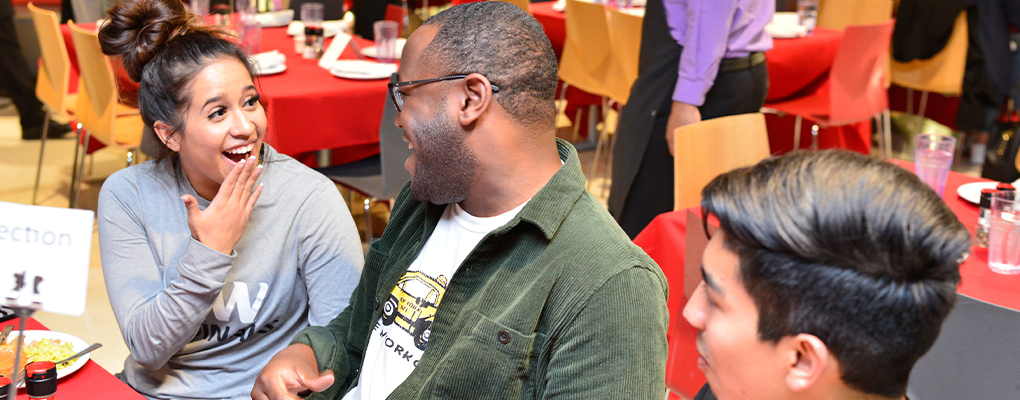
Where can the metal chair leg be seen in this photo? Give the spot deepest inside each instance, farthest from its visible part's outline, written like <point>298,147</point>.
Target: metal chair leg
<point>74,165</point>
<point>887,132</point>
<point>796,132</point>
<point>76,187</point>
<point>814,137</point>
<point>368,220</point>
<point>42,148</point>
<point>920,112</point>
<point>594,170</point>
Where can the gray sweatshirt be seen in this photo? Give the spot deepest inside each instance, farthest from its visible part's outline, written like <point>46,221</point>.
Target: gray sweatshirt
<point>200,323</point>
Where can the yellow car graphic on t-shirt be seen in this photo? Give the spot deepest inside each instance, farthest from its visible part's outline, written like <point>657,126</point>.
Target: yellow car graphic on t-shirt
<point>412,305</point>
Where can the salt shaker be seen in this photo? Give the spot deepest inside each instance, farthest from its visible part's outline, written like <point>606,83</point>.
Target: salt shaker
<point>41,380</point>
<point>985,210</point>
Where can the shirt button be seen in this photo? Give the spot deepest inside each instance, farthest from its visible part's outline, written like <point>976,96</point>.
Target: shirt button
<point>376,307</point>
<point>504,337</point>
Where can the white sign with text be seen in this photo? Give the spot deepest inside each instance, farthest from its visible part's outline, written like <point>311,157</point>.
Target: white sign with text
<point>44,257</point>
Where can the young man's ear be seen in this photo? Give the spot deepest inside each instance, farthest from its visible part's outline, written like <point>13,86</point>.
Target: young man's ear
<point>809,362</point>
<point>475,98</point>
<point>166,135</point>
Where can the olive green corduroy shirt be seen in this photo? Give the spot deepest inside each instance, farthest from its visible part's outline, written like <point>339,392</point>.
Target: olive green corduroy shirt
<point>557,304</point>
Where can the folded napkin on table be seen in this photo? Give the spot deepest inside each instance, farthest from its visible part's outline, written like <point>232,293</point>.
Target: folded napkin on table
<point>362,68</point>
<point>269,59</point>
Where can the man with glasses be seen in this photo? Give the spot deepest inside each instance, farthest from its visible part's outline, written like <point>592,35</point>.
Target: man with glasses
<point>498,275</point>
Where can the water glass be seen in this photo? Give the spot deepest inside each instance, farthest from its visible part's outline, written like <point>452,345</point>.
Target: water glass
<point>933,155</point>
<point>249,33</point>
<point>386,41</point>
<point>200,8</point>
<point>807,14</point>
<point>311,16</point>
<point>1004,235</point>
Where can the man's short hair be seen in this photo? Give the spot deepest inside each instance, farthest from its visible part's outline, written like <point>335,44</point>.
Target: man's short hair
<point>508,46</point>
<point>855,251</point>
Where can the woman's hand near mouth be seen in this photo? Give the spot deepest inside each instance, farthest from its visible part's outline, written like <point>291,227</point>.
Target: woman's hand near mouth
<point>221,224</point>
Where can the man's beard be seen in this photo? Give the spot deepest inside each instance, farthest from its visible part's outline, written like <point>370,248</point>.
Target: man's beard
<point>445,166</point>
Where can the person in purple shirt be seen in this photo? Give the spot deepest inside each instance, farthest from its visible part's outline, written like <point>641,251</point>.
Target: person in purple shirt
<point>700,59</point>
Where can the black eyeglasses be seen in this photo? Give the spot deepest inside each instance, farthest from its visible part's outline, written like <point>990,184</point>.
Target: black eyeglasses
<point>395,86</point>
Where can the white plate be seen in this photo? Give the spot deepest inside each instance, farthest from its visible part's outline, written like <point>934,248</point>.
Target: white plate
<point>275,18</point>
<point>78,344</point>
<point>362,69</point>
<point>276,69</point>
<point>371,50</point>
<point>972,191</point>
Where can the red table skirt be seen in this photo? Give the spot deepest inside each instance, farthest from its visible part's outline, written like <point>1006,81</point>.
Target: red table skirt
<point>89,382</point>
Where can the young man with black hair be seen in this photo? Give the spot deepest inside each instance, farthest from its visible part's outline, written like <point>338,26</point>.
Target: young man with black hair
<point>498,276</point>
<point>830,276</point>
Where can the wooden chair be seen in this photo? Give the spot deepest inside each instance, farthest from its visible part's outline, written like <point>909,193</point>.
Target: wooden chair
<point>98,111</point>
<point>708,148</point>
<point>586,57</point>
<point>51,86</point>
<point>625,47</point>
<point>523,4</point>
<point>942,73</point>
<point>837,14</point>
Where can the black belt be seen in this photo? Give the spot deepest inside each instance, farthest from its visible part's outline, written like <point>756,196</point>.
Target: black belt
<point>740,64</point>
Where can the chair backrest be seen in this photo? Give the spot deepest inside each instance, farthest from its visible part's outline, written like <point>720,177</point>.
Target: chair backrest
<point>523,4</point>
<point>625,39</point>
<point>97,89</point>
<point>52,83</point>
<point>942,73</point>
<point>837,14</point>
<point>708,148</point>
<point>859,73</point>
<point>586,57</point>
<point>393,152</point>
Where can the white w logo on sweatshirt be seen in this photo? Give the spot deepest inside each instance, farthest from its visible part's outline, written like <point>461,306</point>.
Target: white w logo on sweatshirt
<point>239,298</point>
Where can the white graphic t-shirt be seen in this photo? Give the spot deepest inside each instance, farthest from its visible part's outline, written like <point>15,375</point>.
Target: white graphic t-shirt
<point>401,334</point>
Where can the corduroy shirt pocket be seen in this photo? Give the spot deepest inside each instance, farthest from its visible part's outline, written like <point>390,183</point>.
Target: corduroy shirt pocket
<point>491,356</point>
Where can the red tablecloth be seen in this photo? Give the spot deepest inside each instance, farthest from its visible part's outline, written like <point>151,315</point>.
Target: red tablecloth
<point>665,241</point>
<point>553,22</point>
<point>309,109</point>
<point>89,382</point>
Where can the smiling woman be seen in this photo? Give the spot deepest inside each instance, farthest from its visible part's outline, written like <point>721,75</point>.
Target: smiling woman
<point>183,237</point>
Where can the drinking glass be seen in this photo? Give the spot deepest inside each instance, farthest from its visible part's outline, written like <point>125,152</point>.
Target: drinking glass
<point>807,14</point>
<point>386,41</point>
<point>1004,235</point>
<point>311,16</point>
<point>249,32</point>
<point>933,155</point>
<point>200,8</point>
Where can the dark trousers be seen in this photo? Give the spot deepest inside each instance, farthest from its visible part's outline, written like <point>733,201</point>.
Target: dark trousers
<point>15,76</point>
<point>651,193</point>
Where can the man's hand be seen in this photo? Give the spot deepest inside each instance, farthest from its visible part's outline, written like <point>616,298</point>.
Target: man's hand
<point>682,114</point>
<point>289,372</point>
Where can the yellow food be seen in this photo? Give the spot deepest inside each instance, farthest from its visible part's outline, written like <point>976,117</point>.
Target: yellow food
<point>37,350</point>
<point>49,350</point>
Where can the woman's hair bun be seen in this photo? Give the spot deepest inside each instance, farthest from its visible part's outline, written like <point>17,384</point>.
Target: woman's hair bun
<point>138,29</point>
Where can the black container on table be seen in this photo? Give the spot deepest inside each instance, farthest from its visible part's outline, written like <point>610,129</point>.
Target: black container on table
<point>41,380</point>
